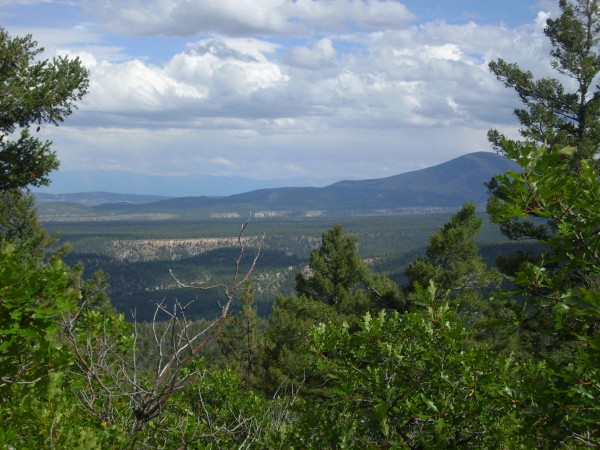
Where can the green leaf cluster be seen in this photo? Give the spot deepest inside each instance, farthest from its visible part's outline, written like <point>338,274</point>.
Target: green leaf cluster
<point>412,381</point>
<point>33,298</point>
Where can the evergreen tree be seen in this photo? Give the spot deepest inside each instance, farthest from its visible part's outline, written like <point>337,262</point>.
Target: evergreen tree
<point>33,92</point>
<point>452,261</point>
<point>19,223</point>
<point>561,129</point>
<point>338,277</point>
<point>239,338</point>
<point>38,292</point>
<point>337,286</point>
<point>556,300</point>
<point>552,115</point>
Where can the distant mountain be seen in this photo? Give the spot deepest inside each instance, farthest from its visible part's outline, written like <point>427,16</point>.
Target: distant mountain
<point>96,198</point>
<point>457,180</point>
<point>165,185</point>
<point>447,185</point>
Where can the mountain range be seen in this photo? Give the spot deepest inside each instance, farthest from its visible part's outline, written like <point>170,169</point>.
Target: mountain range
<point>165,185</point>
<point>447,185</point>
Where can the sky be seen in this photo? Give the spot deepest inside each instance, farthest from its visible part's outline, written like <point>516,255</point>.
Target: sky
<point>283,89</point>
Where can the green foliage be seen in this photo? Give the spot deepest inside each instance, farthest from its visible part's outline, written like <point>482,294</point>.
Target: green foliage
<point>33,91</point>
<point>553,116</point>
<point>217,411</point>
<point>26,161</point>
<point>35,403</point>
<point>33,298</point>
<point>19,223</point>
<point>286,359</point>
<point>410,381</point>
<point>576,388</point>
<point>239,338</point>
<point>567,201</point>
<point>452,261</point>
<point>559,401</point>
<point>337,272</point>
<point>546,189</point>
<point>555,297</point>
<point>51,418</point>
<point>339,277</point>
<point>554,200</point>
<point>338,285</point>
<point>92,290</point>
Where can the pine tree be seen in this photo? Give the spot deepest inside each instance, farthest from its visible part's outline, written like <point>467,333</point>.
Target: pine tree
<point>340,278</point>
<point>552,115</point>
<point>555,298</point>
<point>33,92</point>
<point>452,261</point>
<point>337,286</point>
<point>239,338</point>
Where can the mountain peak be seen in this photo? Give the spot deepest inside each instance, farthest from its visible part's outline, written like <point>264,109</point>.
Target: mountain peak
<point>447,185</point>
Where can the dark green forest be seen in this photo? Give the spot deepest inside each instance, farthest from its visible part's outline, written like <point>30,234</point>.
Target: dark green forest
<point>465,334</point>
<point>137,256</point>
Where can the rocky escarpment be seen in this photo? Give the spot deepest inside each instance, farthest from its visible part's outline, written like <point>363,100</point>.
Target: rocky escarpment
<point>171,249</point>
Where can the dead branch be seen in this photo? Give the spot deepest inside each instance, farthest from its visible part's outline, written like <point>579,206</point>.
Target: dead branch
<point>111,374</point>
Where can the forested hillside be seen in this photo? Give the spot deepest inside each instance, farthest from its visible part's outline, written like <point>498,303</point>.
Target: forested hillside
<point>138,256</point>
<point>457,355</point>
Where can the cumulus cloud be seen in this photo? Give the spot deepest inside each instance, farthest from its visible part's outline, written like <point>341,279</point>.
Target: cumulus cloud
<point>211,78</point>
<point>358,90</point>
<point>227,66</point>
<point>134,86</point>
<point>244,94</point>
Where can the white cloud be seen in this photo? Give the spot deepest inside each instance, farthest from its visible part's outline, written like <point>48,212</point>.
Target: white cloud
<point>243,17</point>
<point>136,87</point>
<point>243,95</point>
<point>362,94</point>
<point>229,66</point>
<point>200,82</point>
<point>321,54</point>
